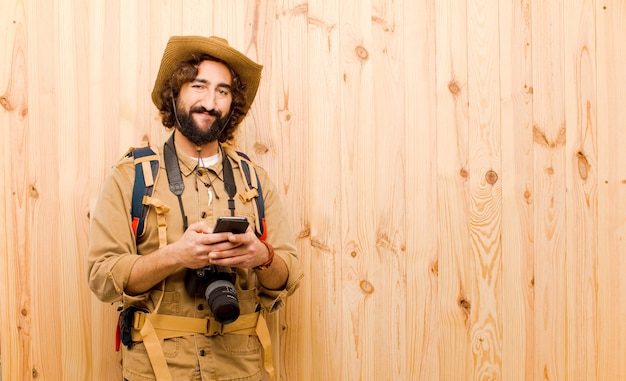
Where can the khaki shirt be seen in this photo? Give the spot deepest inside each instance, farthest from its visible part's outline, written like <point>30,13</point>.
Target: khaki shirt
<point>113,251</point>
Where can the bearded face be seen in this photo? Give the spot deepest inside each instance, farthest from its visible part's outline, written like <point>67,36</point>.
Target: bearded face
<point>189,128</point>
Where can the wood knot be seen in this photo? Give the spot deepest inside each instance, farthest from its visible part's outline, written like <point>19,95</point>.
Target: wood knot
<point>285,115</point>
<point>6,103</point>
<point>465,305</point>
<point>306,232</point>
<point>260,148</point>
<point>491,177</point>
<point>34,193</point>
<point>583,166</point>
<point>320,245</point>
<point>362,53</point>
<point>367,287</point>
<point>454,87</point>
<point>464,174</point>
<point>527,196</point>
<point>435,268</point>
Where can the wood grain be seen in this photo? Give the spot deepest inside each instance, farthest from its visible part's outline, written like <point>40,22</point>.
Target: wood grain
<point>549,130</point>
<point>485,203</point>
<point>416,22</point>
<point>452,170</point>
<point>582,183</point>
<point>611,292</point>
<point>516,92</point>
<point>455,262</point>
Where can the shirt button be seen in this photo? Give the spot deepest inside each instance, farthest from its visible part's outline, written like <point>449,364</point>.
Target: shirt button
<point>200,307</point>
<point>201,353</point>
<point>203,215</point>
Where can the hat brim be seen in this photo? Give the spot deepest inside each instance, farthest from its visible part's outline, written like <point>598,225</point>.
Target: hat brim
<point>182,48</point>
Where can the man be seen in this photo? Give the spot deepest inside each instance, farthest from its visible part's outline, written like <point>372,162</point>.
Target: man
<point>165,273</point>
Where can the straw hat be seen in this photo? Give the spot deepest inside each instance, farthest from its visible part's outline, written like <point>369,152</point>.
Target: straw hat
<point>181,48</point>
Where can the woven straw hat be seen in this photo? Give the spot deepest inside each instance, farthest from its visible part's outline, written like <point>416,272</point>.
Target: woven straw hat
<point>181,48</point>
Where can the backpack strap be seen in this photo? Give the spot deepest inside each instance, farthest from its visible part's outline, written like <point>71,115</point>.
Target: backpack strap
<point>146,169</point>
<point>255,191</point>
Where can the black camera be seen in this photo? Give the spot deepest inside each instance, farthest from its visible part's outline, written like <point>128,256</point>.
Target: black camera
<point>217,284</point>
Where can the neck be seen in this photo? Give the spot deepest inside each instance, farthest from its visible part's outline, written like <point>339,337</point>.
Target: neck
<point>189,149</point>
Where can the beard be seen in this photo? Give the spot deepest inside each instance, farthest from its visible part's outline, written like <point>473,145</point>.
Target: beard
<point>190,129</point>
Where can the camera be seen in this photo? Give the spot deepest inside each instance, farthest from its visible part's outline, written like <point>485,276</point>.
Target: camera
<point>217,284</point>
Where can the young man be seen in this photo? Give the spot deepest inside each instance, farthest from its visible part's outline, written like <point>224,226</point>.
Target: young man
<point>193,300</point>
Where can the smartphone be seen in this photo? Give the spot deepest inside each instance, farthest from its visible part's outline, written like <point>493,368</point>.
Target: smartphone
<point>236,225</point>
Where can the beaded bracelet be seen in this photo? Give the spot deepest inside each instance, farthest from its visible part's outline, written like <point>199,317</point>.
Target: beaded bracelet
<point>267,263</point>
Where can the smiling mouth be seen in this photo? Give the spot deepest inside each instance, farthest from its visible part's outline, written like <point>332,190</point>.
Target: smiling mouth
<point>206,115</point>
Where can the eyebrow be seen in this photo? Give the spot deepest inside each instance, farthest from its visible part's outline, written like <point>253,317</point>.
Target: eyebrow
<point>205,82</point>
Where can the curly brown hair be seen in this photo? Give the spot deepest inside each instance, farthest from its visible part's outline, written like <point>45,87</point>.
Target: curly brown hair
<point>187,71</point>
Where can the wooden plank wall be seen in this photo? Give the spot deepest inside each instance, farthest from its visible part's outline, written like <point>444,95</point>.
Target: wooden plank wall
<point>454,170</point>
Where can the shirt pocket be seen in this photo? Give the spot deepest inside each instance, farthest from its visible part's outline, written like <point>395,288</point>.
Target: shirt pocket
<point>248,301</point>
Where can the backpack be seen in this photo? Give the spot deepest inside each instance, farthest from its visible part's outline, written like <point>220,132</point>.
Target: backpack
<point>146,168</point>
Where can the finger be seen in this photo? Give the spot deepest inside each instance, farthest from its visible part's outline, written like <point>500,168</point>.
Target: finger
<point>200,227</point>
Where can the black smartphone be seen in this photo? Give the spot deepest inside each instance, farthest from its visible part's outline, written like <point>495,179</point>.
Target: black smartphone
<point>236,225</point>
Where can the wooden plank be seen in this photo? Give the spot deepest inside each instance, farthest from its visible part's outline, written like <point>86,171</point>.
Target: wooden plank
<point>582,183</point>
<point>135,79</point>
<point>549,178</point>
<point>517,191</point>
<point>43,246</point>
<point>104,150</point>
<point>15,289</point>
<point>256,135</point>
<point>485,174</point>
<point>455,267</point>
<point>358,218</point>
<point>256,132</point>
<point>417,23</point>
<point>386,257</point>
<point>321,308</point>
<point>611,228</point>
<point>280,142</point>
<point>72,180</point>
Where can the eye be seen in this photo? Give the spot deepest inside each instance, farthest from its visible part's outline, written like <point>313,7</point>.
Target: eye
<point>222,92</point>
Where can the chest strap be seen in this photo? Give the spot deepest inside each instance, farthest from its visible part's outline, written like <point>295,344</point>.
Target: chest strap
<point>151,328</point>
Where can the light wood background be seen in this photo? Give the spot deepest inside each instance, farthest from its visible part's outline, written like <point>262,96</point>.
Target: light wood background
<point>455,171</point>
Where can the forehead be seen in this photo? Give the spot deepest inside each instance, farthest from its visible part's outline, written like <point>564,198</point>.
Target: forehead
<point>214,72</point>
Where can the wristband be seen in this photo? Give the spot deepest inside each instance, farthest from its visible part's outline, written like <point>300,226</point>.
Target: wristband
<point>267,263</point>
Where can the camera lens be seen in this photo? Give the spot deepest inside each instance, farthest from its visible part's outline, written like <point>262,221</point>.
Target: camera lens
<point>222,298</point>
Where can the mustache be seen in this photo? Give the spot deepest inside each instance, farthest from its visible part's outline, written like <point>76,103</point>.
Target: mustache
<point>201,109</point>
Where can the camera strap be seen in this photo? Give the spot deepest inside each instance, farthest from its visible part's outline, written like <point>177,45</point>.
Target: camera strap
<point>174,177</point>
<point>229,182</point>
<point>177,186</point>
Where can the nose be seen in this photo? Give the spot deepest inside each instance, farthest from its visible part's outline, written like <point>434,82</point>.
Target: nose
<point>208,100</point>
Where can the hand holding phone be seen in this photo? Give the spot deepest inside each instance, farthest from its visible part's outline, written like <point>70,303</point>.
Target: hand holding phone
<point>235,225</point>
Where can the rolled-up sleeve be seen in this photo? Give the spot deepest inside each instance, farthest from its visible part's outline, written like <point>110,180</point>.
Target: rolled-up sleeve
<point>112,249</point>
<point>280,235</point>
